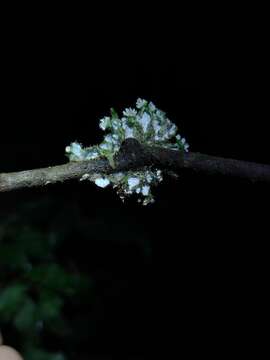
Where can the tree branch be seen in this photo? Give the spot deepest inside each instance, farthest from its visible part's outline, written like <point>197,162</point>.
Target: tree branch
<point>134,155</point>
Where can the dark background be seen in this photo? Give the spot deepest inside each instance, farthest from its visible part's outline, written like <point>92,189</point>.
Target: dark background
<point>186,273</point>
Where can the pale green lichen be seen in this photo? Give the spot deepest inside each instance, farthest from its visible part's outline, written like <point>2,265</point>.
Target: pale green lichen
<point>148,125</point>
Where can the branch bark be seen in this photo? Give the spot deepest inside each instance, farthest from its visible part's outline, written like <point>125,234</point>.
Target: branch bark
<point>134,155</point>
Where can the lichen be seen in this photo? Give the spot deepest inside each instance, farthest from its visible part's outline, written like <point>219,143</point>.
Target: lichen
<point>148,125</point>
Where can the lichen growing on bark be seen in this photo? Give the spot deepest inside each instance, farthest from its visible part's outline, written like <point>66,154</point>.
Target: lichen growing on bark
<point>147,124</point>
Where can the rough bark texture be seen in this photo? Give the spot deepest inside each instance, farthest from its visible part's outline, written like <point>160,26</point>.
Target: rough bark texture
<point>134,155</point>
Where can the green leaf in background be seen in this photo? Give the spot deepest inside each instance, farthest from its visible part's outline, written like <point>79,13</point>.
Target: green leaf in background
<point>36,354</point>
<point>11,298</point>
<point>25,318</point>
<point>50,307</point>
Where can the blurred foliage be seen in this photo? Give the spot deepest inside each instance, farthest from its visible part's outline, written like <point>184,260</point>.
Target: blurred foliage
<point>70,275</point>
<point>35,284</point>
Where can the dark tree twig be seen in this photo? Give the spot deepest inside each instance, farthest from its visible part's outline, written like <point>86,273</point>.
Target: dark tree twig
<point>134,155</point>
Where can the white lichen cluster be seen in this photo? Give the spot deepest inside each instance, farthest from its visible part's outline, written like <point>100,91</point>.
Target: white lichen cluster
<point>148,125</point>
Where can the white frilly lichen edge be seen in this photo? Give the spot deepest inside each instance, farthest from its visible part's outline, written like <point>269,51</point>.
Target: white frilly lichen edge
<point>148,125</point>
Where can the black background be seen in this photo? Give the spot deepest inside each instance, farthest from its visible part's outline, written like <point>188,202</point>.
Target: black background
<point>201,286</point>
